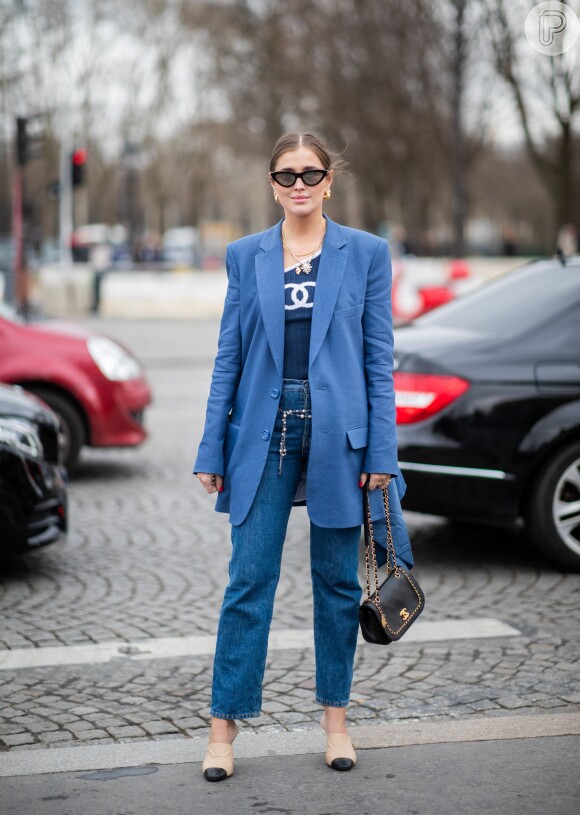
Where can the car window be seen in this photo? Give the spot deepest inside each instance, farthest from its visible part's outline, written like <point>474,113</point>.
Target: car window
<point>513,302</point>
<point>563,333</point>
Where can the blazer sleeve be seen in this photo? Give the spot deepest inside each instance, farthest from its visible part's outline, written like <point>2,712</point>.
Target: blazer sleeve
<point>225,377</point>
<point>377,321</point>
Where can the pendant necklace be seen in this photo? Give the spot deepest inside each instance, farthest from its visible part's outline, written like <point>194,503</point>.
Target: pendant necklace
<point>304,265</point>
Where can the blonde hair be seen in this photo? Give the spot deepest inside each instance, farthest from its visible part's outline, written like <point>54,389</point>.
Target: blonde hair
<point>290,141</point>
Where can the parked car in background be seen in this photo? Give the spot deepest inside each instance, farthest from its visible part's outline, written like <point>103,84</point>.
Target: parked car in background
<point>181,248</point>
<point>33,501</point>
<point>101,245</point>
<point>95,385</point>
<point>488,406</point>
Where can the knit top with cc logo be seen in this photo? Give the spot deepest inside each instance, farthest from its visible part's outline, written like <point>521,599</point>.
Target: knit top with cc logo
<point>299,292</point>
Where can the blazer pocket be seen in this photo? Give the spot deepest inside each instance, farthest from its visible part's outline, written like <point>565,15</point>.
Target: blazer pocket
<point>349,311</point>
<point>358,436</point>
<point>234,420</point>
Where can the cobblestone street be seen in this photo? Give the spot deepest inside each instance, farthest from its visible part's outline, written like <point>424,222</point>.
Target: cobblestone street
<point>147,558</point>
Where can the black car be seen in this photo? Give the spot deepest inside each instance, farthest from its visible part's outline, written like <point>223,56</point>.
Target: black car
<point>488,406</point>
<point>33,502</point>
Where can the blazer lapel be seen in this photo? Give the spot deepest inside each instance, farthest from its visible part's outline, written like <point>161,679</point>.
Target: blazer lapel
<point>330,273</point>
<point>270,282</point>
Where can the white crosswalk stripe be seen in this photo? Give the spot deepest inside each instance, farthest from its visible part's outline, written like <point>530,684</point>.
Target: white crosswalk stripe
<point>164,647</point>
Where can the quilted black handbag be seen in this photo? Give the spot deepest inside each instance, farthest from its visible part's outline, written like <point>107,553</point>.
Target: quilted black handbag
<point>387,612</point>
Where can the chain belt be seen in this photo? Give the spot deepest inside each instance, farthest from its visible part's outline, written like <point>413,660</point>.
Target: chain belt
<point>303,414</point>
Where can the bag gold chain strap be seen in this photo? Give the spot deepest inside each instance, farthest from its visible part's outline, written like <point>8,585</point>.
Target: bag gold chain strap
<point>391,556</point>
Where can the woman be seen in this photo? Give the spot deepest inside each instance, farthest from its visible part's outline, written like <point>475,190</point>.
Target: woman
<point>301,411</point>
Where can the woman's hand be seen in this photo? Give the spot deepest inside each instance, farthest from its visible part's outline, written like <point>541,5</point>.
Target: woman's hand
<point>211,483</point>
<point>379,480</point>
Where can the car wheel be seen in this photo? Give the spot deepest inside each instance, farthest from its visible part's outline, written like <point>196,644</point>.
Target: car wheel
<point>72,431</point>
<point>553,516</point>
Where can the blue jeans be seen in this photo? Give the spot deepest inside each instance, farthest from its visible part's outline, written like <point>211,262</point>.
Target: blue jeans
<point>246,613</point>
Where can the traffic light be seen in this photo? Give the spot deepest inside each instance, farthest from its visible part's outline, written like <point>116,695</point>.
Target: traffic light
<point>21,141</point>
<point>78,162</point>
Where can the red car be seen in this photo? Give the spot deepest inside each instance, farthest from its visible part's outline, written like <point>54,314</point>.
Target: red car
<point>96,387</point>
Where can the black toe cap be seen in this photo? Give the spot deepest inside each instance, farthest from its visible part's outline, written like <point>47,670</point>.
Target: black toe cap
<point>342,764</point>
<point>215,774</point>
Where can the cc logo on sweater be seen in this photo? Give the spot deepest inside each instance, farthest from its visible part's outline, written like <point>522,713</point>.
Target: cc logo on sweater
<point>299,295</point>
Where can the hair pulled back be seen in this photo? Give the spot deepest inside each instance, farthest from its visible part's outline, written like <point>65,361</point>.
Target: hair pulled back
<point>290,141</point>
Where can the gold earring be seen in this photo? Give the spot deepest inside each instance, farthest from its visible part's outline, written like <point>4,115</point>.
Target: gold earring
<point>276,199</point>
<point>326,195</point>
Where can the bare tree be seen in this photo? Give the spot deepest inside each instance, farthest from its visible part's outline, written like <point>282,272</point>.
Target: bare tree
<point>549,82</point>
<point>356,71</point>
<point>204,87</point>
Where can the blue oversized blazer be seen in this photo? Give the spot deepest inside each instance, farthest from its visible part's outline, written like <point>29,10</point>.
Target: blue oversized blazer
<point>350,374</point>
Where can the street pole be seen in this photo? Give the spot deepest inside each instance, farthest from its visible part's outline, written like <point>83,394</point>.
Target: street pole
<point>65,208</point>
<point>17,285</point>
<point>130,159</point>
<point>14,285</point>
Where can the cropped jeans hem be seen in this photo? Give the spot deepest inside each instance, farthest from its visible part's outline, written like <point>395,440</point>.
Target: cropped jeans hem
<point>219,715</point>
<point>331,702</point>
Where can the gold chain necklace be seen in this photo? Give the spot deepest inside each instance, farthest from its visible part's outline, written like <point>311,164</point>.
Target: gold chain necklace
<point>305,265</point>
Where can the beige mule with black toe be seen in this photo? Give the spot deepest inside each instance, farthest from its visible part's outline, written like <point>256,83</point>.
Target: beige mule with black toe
<point>340,754</point>
<point>218,763</point>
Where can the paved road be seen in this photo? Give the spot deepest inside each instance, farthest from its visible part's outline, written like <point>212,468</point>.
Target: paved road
<point>147,558</point>
<point>528,777</point>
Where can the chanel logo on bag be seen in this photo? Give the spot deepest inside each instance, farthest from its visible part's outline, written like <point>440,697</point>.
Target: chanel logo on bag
<point>404,614</point>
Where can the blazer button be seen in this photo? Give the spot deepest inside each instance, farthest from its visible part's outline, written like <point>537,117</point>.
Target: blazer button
<point>265,435</point>
<point>274,393</point>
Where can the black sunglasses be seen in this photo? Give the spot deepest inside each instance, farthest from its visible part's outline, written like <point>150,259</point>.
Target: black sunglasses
<point>310,177</point>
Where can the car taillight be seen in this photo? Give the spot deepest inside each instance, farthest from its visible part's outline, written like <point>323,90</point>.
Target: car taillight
<point>419,396</point>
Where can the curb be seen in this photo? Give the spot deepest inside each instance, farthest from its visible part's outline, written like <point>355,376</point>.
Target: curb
<point>287,743</point>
